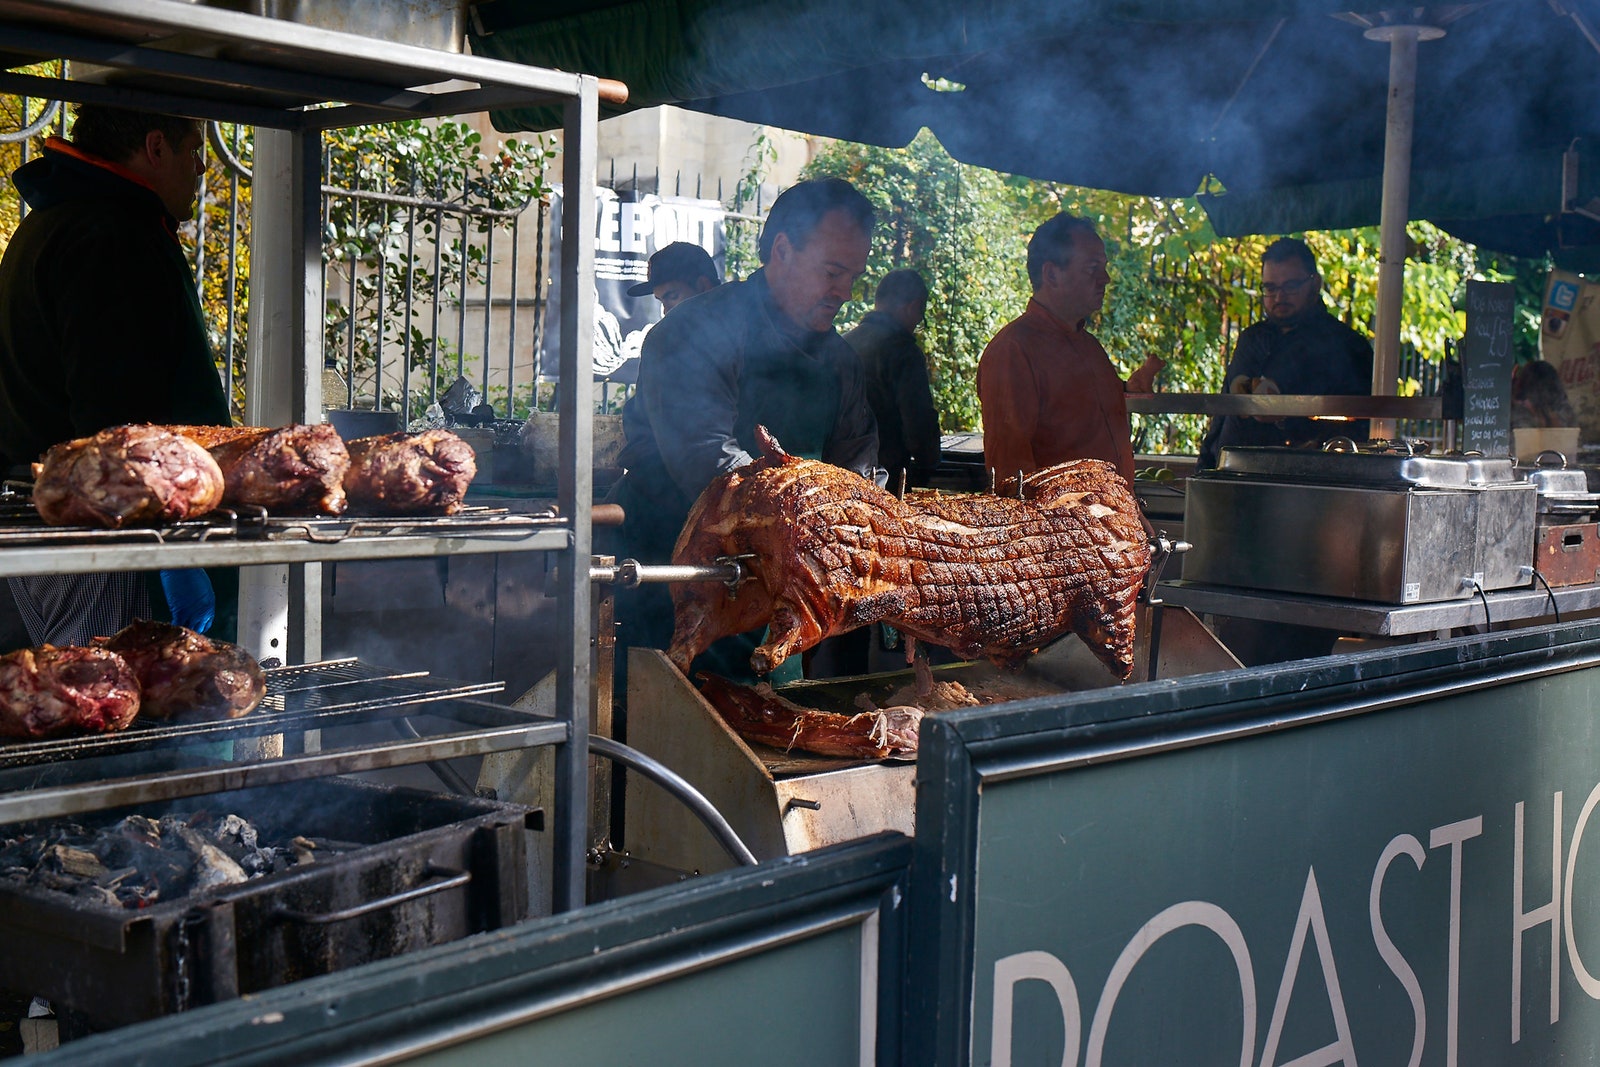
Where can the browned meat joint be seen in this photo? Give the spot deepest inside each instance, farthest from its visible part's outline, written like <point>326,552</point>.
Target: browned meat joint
<point>186,675</point>
<point>48,691</point>
<point>997,576</point>
<point>423,473</point>
<point>290,470</point>
<point>123,476</point>
<point>759,714</point>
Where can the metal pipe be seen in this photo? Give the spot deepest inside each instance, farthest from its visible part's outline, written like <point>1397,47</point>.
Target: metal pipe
<point>681,790</point>
<point>452,778</point>
<point>1396,204</point>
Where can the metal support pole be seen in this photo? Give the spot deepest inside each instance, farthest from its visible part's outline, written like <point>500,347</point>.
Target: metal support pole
<point>264,591</point>
<point>1396,205</point>
<point>575,490</point>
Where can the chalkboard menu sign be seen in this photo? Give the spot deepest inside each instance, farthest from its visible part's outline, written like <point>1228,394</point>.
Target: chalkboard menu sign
<point>1486,361</point>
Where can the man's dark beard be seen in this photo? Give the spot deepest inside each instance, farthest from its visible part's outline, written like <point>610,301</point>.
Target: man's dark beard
<point>1299,318</point>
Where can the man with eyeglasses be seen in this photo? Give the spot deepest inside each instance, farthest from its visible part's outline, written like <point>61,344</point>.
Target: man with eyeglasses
<point>1300,348</point>
<point>100,324</point>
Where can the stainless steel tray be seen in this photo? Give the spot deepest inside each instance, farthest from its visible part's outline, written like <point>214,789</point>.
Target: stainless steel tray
<point>1376,469</point>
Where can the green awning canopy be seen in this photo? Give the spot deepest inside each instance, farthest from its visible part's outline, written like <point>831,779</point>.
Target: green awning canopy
<point>1281,105</point>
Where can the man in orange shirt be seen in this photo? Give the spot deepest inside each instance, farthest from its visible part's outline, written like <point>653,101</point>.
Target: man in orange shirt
<point>1048,390</point>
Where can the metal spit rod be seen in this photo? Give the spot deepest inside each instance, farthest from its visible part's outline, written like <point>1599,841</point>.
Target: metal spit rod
<point>628,573</point>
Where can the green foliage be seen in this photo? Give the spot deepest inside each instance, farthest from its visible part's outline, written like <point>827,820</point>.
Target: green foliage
<point>1177,289</point>
<point>741,257</point>
<point>224,296</point>
<point>954,225</point>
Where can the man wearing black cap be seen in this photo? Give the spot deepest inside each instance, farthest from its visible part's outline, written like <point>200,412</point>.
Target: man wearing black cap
<point>677,272</point>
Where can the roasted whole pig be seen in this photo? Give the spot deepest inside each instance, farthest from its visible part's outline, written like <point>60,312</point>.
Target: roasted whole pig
<point>423,473</point>
<point>292,470</point>
<point>756,713</point>
<point>987,575</point>
<point>188,676</point>
<point>124,476</point>
<point>49,691</point>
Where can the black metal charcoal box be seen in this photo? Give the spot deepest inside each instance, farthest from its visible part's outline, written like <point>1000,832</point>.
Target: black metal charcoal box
<point>410,869</point>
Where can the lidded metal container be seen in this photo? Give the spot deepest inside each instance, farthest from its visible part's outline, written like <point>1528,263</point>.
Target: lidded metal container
<point>1563,492</point>
<point>1385,526</point>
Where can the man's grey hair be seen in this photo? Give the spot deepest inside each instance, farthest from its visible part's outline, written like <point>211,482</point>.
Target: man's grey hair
<point>799,210</point>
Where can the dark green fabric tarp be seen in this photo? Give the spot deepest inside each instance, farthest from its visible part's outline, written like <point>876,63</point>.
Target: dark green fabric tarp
<point>1282,105</point>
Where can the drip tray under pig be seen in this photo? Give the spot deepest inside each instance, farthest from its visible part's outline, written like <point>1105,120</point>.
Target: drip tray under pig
<point>779,803</point>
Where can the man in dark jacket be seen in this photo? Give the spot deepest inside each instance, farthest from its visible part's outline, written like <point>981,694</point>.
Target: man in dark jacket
<point>761,352</point>
<point>100,323</point>
<point>1298,349</point>
<point>897,378</point>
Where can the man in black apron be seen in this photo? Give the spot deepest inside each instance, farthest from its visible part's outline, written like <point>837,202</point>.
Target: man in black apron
<point>761,352</point>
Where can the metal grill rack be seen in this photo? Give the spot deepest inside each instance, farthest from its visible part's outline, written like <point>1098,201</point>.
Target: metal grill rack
<point>292,82</point>
<point>243,536</point>
<point>312,696</point>
<point>153,761</point>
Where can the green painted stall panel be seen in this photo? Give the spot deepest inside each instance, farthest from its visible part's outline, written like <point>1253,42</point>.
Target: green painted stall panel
<point>796,1006</point>
<point>1370,859</point>
<point>1344,892</point>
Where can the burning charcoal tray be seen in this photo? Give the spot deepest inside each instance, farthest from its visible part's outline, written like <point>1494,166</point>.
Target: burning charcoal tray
<point>421,869</point>
<point>302,697</point>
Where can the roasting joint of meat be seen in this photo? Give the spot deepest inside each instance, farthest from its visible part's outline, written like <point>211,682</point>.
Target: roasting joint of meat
<point>49,691</point>
<point>402,473</point>
<point>757,713</point>
<point>186,675</point>
<point>991,575</point>
<point>124,476</point>
<point>292,470</point>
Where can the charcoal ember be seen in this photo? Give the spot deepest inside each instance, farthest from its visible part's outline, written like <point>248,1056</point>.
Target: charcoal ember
<point>138,861</point>
<point>242,841</point>
<point>213,867</point>
<point>49,691</point>
<point>423,473</point>
<point>78,862</point>
<point>124,476</point>
<point>291,470</point>
<point>186,675</point>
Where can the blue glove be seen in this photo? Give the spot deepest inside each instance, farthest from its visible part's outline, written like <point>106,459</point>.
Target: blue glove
<point>190,598</point>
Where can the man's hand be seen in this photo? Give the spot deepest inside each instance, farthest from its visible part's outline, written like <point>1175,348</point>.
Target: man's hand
<point>1264,386</point>
<point>1143,380</point>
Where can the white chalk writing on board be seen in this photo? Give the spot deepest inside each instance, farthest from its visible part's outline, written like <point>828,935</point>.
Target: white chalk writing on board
<point>1486,360</point>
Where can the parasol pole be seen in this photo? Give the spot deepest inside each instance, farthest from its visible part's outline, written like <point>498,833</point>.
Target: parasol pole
<point>1396,204</point>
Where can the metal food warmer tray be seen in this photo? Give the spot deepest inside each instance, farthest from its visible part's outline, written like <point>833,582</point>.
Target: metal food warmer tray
<point>397,869</point>
<point>1381,526</point>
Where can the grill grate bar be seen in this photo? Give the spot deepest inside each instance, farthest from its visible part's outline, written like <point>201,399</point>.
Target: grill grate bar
<point>303,697</point>
<point>21,527</point>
